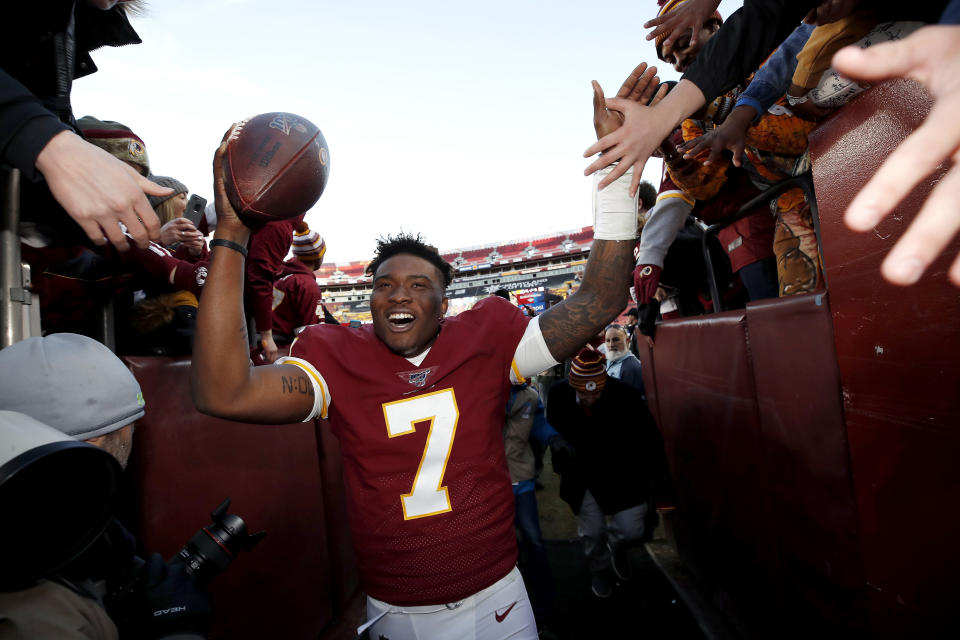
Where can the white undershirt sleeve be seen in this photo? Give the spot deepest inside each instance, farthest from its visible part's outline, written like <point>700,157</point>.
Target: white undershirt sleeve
<point>532,355</point>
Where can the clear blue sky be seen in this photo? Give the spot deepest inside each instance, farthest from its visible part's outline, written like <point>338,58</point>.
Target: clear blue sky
<point>463,121</point>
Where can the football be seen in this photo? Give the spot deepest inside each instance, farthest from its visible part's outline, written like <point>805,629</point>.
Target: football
<point>275,166</point>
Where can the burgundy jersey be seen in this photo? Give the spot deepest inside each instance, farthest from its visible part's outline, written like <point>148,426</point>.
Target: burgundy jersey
<point>428,492</point>
<point>296,297</point>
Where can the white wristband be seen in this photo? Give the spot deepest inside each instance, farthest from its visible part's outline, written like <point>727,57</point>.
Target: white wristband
<point>614,210</point>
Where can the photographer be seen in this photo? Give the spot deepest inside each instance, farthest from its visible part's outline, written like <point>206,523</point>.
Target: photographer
<point>79,387</point>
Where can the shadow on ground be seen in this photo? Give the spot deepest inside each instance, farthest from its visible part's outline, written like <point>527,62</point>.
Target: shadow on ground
<point>644,607</point>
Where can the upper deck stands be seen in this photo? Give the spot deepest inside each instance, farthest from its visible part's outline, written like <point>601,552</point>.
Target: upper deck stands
<point>494,255</point>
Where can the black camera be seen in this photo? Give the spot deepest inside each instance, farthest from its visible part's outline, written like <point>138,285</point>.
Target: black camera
<point>212,548</point>
<point>209,551</point>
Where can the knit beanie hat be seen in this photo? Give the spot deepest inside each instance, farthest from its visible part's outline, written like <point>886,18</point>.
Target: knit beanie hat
<point>308,246</point>
<point>166,181</point>
<point>71,383</point>
<point>588,371</point>
<point>666,6</point>
<point>117,140</point>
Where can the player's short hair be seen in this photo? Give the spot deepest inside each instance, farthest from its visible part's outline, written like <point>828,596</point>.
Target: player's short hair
<point>389,246</point>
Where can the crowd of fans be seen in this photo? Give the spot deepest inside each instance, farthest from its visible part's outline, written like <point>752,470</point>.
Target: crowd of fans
<point>99,227</point>
<point>763,120</point>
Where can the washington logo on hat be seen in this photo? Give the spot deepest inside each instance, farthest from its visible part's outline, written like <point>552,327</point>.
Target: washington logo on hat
<point>587,370</point>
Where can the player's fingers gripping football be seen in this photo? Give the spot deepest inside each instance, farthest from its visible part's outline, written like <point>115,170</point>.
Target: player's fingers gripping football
<point>225,211</point>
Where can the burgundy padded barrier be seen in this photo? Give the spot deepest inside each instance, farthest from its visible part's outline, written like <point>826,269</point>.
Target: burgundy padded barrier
<point>343,563</point>
<point>649,371</point>
<point>186,463</point>
<point>897,349</point>
<point>812,517</point>
<point>709,421</point>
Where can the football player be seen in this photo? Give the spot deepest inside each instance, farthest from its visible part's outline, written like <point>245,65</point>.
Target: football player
<point>417,401</point>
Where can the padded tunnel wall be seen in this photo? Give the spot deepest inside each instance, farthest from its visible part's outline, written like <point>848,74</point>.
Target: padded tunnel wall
<point>897,352</point>
<point>301,580</point>
<point>814,440</point>
<point>749,406</point>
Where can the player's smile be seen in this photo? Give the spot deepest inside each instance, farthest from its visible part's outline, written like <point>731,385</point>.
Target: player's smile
<point>400,320</point>
<point>407,303</point>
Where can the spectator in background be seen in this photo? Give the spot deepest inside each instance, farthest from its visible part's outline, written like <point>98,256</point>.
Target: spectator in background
<point>296,294</point>
<point>525,422</point>
<point>647,194</point>
<point>177,234</point>
<point>608,455</point>
<point>633,316</point>
<point>161,321</point>
<point>74,283</point>
<point>268,247</point>
<point>817,89</point>
<point>759,134</point>
<point>714,190</point>
<point>746,39</point>
<point>931,55</point>
<point>621,363</point>
<point>119,141</point>
<point>76,385</point>
<point>769,84</point>
<point>44,46</point>
<point>646,199</point>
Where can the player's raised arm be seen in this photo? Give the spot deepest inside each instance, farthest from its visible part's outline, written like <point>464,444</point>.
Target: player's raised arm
<point>602,295</point>
<point>221,378</point>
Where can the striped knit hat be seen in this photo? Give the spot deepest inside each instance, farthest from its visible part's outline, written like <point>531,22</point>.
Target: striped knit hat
<point>308,246</point>
<point>117,140</point>
<point>588,371</point>
<point>666,6</point>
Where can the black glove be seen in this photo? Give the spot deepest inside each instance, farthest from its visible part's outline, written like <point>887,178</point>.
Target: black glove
<point>562,453</point>
<point>171,601</point>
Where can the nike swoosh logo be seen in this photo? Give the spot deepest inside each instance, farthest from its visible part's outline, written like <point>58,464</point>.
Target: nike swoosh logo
<point>500,616</point>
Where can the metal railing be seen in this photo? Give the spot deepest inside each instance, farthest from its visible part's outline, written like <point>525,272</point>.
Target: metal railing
<point>14,291</point>
<point>803,181</point>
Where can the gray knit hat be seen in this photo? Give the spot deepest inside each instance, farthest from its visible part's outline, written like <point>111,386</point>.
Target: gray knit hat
<point>166,181</point>
<point>70,382</point>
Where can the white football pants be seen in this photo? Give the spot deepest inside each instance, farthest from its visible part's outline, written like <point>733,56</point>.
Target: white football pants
<point>498,612</point>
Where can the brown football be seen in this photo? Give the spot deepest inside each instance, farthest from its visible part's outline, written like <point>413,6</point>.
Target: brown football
<point>275,166</point>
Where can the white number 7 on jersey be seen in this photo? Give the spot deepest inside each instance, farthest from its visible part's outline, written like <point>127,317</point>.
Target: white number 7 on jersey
<point>426,497</point>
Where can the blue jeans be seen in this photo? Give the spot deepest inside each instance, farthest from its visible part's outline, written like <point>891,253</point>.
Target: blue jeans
<point>760,279</point>
<point>535,566</point>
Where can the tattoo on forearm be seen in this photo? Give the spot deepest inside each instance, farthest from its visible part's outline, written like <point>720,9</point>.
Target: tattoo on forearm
<point>606,281</point>
<point>297,384</point>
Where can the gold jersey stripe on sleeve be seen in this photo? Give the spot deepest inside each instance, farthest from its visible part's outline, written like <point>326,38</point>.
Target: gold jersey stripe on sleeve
<point>517,378</point>
<point>676,194</point>
<point>319,384</point>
